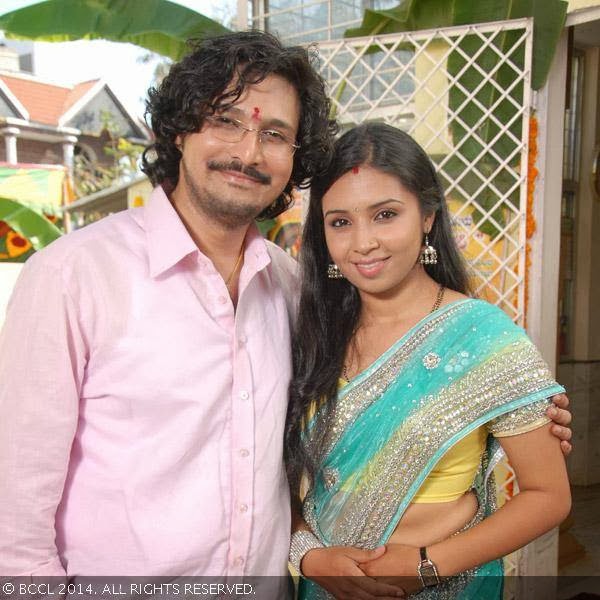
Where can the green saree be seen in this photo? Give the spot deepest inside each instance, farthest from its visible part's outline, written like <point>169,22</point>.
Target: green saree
<point>464,366</point>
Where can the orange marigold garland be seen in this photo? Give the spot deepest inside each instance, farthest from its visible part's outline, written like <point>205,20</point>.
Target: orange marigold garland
<point>530,226</point>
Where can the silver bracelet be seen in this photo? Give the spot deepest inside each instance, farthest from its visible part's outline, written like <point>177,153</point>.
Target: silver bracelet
<point>302,541</point>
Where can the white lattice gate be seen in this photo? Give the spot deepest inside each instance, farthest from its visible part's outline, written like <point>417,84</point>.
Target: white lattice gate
<point>464,94</point>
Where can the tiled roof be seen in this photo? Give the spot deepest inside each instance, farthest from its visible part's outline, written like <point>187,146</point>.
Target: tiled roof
<point>45,102</point>
<point>78,92</point>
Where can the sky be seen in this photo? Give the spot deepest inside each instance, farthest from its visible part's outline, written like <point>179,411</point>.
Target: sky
<point>117,64</point>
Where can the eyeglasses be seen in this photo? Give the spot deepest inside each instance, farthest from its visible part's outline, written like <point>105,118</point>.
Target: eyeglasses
<point>273,142</point>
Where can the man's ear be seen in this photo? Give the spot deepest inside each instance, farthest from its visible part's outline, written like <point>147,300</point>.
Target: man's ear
<point>179,143</point>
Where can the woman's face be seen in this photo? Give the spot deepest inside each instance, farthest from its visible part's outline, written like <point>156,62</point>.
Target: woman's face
<point>374,229</point>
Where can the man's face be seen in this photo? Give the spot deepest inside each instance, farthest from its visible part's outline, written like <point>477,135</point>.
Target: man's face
<point>232,182</point>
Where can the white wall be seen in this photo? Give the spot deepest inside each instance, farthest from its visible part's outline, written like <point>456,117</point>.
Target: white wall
<point>8,276</point>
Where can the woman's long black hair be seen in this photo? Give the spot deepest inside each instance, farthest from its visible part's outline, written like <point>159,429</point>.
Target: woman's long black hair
<point>213,76</point>
<point>329,309</point>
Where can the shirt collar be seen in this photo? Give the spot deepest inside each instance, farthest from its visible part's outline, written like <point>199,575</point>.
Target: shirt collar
<point>169,241</point>
<point>256,255</point>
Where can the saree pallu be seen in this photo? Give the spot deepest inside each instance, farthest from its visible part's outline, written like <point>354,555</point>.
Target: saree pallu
<point>464,366</point>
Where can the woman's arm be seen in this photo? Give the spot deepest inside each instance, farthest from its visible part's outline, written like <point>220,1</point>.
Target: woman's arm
<point>543,502</point>
<point>336,569</point>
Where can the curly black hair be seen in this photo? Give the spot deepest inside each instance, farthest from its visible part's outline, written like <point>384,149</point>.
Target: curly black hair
<point>198,85</point>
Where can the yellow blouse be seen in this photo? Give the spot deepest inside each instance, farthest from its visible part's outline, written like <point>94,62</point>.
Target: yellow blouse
<point>454,473</point>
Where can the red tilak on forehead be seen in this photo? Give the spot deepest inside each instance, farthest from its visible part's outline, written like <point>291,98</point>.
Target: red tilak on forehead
<point>256,113</point>
<point>355,170</point>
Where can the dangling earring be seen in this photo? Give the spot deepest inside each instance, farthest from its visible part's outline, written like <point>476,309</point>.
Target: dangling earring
<point>428,253</point>
<point>333,272</point>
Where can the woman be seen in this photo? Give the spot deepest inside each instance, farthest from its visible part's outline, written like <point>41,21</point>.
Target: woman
<point>419,386</point>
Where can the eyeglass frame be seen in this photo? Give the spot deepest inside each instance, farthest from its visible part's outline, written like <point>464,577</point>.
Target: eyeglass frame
<point>240,126</point>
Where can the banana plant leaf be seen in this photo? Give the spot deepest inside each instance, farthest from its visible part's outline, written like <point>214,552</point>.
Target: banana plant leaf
<point>157,25</point>
<point>28,223</point>
<point>413,15</point>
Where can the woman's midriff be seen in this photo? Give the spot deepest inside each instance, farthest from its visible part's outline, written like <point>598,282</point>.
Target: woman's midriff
<point>426,524</point>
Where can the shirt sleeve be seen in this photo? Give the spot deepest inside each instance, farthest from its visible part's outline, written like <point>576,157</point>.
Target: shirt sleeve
<point>521,420</point>
<point>42,360</point>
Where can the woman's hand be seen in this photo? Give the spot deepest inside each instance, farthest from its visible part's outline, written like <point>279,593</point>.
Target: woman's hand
<point>336,569</point>
<point>398,566</point>
<point>561,416</point>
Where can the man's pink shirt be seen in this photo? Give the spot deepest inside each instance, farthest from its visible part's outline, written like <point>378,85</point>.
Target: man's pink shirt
<point>142,418</point>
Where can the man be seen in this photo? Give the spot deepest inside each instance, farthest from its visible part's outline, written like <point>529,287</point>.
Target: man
<point>145,358</point>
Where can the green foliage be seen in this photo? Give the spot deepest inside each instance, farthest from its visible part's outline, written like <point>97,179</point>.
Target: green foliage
<point>91,176</point>
<point>158,25</point>
<point>410,15</point>
<point>265,226</point>
<point>28,223</point>
<point>413,15</point>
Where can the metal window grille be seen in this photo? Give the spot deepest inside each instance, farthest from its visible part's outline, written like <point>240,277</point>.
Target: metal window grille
<point>464,94</point>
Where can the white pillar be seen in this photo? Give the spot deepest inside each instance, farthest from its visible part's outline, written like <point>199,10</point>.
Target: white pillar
<point>68,152</point>
<point>10,140</point>
<point>541,556</point>
<point>68,145</point>
<point>542,314</point>
<point>258,15</point>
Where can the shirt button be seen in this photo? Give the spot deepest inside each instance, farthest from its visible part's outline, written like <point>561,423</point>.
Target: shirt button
<point>243,508</point>
<point>244,452</point>
<point>239,561</point>
<point>243,339</point>
<point>222,299</point>
<point>244,395</point>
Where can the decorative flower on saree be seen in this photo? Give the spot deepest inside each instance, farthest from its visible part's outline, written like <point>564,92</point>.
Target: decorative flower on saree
<point>431,360</point>
<point>457,363</point>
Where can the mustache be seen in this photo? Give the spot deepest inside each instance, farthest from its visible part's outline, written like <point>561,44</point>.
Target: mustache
<point>236,165</point>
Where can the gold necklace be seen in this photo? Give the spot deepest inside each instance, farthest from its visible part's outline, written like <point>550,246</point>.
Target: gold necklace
<point>436,305</point>
<point>438,300</point>
<point>236,266</point>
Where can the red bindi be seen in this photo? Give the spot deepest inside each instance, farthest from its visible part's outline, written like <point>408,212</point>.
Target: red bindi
<point>256,113</point>
<point>355,170</point>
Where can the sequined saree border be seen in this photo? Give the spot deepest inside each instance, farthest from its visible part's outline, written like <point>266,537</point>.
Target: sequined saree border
<point>357,397</point>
